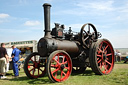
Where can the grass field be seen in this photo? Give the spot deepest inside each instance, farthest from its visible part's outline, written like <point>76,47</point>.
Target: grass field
<point>119,76</point>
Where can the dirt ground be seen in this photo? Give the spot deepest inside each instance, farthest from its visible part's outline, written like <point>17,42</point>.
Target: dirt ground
<point>121,66</point>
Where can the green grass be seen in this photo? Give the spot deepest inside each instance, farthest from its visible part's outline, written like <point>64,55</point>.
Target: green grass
<point>121,62</point>
<point>117,77</point>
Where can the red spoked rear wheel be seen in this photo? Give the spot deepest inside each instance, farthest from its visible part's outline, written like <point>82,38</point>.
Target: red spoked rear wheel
<point>59,66</point>
<point>34,66</point>
<point>102,57</point>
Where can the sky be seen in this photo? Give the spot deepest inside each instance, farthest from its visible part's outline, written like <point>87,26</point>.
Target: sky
<point>22,20</point>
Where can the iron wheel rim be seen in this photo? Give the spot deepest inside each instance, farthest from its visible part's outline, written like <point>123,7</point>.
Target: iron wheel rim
<point>36,68</point>
<point>105,57</point>
<point>62,70</point>
<point>87,36</point>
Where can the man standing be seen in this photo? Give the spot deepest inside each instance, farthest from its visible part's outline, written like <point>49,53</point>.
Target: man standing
<point>15,59</point>
<point>3,60</point>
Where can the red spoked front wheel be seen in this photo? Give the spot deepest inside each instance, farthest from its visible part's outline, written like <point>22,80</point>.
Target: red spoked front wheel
<point>59,66</point>
<point>34,66</point>
<point>102,57</point>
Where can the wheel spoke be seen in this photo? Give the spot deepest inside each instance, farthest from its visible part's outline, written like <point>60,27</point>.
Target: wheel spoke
<point>38,71</point>
<point>105,52</point>
<point>97,58</point>
<point>88,28</point>
<point>61,75</point>
<point>107,59</point>
<point>87,45</point>
<point>109,54</point>
<point>105,48</point>
<point>32,69</point>
<point>93,36</point>
<point>56,75</point>
<point>65,62</point>
<point>93,39</point>
<point>101,45</point>
<point>99,55</point>
<point>55,70</point>
<point>99,61</point>
<point>105,67</point>
<point>64,73</point>
<point>53,65</point>
<point>33,61</point>
<point>86,38</point>
<point>108,62</point>
<point>67,68</point>
<point>63,59</point>
<point>35,58</point>
<point>85,32</point>
<point>58,58</point>
<point>101,65</point>
<point>56,61</point>
<point>41,70</point>
<point>99,51</point>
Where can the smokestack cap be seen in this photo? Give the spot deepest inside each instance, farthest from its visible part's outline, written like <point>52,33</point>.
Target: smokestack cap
<point>46,4</point>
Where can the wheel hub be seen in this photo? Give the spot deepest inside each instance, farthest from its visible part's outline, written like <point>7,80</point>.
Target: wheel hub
<point>62,67</point>
<point>36,65</point>
<point>104,57</point>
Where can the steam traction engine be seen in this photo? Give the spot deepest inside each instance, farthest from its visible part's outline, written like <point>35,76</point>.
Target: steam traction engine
<point>61,52</point>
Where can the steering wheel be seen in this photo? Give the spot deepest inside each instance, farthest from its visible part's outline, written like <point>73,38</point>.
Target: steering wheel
<point>88,34</point>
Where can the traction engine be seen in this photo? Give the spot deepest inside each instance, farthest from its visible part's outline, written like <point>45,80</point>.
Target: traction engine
<point>62,52</point>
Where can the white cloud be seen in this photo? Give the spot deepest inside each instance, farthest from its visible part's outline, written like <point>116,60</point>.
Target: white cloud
<point>102,6</point>
<point>2,15</point>
<point>83,8</point>
<point>32,23</point>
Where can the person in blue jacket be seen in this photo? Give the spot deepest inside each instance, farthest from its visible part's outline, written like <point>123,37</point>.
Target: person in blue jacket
<point>15,59</point>
<point>126,59</point>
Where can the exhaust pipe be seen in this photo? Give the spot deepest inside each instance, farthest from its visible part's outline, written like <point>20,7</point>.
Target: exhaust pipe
<point>47,20</point>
